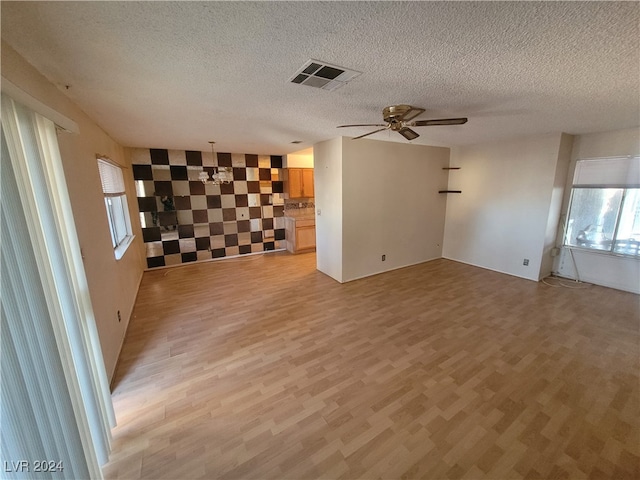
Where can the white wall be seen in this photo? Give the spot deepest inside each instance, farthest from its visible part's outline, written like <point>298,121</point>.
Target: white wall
<point>617,272</point>
<point>113,285</point>
<point>501,216</point>
<point>605,144</point>
<point>328,200</point>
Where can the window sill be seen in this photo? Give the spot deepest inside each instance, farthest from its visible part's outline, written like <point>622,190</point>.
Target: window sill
<point>122,248</point>
<point>596,251</point>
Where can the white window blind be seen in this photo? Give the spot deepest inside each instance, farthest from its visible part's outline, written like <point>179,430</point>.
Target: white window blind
<point>623,172</point>
<point>115,200</point>
<point>111,178</point>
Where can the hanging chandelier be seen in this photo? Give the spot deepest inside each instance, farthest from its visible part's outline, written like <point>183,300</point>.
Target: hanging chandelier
<point>220,175</point>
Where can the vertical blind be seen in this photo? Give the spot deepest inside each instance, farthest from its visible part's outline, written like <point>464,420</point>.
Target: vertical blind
<point>56,404</point>
<point>36,407</point>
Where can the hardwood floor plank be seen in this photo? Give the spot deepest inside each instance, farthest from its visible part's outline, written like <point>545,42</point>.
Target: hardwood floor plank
<point>262,367</point>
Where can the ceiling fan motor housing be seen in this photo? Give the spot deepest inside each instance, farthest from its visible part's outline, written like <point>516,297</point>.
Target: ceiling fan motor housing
<point>396,113</point>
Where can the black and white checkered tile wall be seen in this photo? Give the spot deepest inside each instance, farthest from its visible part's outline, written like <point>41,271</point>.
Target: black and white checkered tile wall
<point>184,220</point>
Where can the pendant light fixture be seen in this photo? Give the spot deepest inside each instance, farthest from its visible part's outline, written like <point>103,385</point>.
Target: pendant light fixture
<point>220,175</point>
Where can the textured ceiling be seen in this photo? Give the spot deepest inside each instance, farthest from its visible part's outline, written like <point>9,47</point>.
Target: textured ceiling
<point>177,74</point>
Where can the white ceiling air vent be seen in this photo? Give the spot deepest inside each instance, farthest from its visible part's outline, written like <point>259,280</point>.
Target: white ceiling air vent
<point>315,73</point>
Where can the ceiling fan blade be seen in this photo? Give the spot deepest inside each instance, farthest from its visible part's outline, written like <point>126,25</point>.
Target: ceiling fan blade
<point>370,133</point>
<point>441,121</point>
<point>413,112</point>
<point>364,125</point>
<point>408,133</point>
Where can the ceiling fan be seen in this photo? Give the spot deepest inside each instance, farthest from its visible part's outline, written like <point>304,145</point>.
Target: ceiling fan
<point>398,118</point>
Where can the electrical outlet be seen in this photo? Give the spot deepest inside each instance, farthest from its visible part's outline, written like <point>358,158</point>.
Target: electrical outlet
<point>525,262</point>
<point>384,257</point>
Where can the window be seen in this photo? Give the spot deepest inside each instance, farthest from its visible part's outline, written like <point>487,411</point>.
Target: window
<point>604,212</point>
<point>115,201</point>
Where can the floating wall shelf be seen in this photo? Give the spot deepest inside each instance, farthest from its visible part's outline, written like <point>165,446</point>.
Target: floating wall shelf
<point>450,191</point>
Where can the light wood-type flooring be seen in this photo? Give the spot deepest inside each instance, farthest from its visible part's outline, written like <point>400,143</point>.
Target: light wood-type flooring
<point>261,367</point>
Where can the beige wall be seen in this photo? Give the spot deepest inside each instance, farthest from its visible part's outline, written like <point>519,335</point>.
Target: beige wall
<point>113,285</point>
<point>300,159</point>
<point>555,206</point>
<point>502,215</point>
<point>377,198</point>
<point>328,201</point>
<point>391,205</point>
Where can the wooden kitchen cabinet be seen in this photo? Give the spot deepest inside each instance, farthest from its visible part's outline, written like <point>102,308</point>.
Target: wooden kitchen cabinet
<point>306,237</point>
<point>299,183</point>
<point>300,234</point>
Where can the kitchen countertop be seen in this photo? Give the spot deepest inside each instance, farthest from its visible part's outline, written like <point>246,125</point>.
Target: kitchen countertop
<point>300,214</point>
